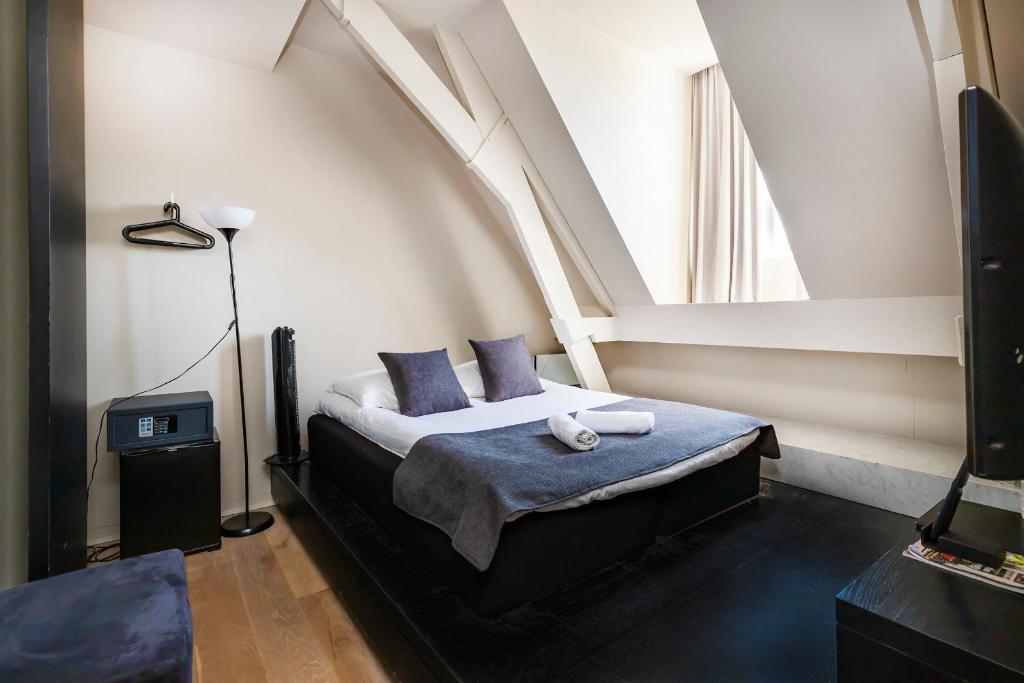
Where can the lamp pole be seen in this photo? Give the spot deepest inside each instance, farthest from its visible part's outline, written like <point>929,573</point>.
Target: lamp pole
<point>246,523</point>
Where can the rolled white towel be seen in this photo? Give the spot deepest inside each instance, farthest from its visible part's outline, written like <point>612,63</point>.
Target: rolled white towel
<point>616,422</point>
<point>572,433</point>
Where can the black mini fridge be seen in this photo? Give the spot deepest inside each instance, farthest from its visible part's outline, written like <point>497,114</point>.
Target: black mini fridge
<point>170,498</point>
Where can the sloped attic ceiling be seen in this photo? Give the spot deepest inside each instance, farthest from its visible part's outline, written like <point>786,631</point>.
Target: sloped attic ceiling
<point>835,96</point>
<point>416,19</point>
<point>838,102</point>
<point>252,33</point>
<point>506,63</point>
<point>671,31</point>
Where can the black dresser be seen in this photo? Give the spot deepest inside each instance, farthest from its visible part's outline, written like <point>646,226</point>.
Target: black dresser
<point>905,621</point>
<point>170,498</point>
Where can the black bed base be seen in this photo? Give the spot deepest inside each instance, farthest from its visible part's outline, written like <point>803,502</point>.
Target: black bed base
<point>353,554</point>
<point>423,631</point>
<point>538,552</point>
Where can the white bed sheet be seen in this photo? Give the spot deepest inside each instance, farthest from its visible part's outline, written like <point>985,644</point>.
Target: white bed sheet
<point>398,433</point>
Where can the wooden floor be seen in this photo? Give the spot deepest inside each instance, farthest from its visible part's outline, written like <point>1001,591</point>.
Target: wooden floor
<point>263,612</point>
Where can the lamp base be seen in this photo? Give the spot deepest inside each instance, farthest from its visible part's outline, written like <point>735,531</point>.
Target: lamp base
<point>280,460</point>
<point>246,524</point>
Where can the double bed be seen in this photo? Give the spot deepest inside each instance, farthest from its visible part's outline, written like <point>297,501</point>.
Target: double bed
<point>553,542</point>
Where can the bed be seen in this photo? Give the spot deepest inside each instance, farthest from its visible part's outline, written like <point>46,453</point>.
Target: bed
<point>541,549</point>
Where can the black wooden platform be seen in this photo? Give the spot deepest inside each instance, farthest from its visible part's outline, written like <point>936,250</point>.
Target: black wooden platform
<point>748,596</point>
<point>902,620</point>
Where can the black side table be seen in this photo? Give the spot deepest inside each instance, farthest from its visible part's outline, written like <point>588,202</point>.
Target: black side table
<point>170,498</point>
<point>902,620</point>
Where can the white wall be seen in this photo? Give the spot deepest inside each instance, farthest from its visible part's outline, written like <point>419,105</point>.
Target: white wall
<point>13,297</point>
<point>629,116</point>
<point>369,235</point>
<point>910,396</point>
<point>837,100</point>
<point>1005,26</point>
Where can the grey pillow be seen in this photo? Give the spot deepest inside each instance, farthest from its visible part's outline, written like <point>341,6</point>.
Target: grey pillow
<point>424,383</point>
<point>507,368</point>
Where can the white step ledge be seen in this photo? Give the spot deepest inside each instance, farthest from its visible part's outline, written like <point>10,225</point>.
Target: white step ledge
<point>903,475</point>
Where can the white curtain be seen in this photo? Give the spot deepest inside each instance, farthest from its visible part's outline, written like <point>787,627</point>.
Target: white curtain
<point>738,245</point>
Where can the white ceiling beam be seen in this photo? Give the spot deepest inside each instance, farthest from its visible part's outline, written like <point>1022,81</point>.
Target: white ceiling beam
<point>478,97</point>
<point>950,81</point>
<point>570,331</point>
<point>335,7</point>
<point>497,165</point>
<point>560,226</point>
<point>913,326</point>
<point>473,89</point>
<point>942,30</point>
<point>940,23</point>
<point>393,53</point>
<point>501,165</point>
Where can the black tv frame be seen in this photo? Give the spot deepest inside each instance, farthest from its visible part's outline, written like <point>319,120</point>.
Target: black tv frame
<point>980,537</point>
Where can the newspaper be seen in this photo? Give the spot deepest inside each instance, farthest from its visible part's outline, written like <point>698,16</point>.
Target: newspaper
<point>1010,576</point>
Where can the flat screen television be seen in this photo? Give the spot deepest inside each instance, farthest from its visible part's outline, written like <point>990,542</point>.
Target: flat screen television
<point>992,192</point>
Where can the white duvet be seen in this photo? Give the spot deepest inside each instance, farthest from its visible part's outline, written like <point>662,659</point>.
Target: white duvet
<point>398,433</point>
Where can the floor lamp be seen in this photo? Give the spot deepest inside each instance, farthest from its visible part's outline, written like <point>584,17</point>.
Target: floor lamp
<point>229,220</point>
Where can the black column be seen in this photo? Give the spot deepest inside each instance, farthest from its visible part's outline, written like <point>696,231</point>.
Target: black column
<point>57,356</point>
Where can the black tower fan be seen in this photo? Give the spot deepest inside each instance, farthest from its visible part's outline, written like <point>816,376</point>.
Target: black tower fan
<point>286,399</point>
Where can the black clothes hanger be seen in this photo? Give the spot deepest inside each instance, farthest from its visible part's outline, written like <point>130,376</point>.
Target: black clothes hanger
<point>206,242</point>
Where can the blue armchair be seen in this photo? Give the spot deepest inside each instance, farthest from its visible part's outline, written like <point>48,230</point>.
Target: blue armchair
<point>128,621</point>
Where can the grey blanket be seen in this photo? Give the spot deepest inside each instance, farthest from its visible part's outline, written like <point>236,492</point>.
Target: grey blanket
<point>468,485</point>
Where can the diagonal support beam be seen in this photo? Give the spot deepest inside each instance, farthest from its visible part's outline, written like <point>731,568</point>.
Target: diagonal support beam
<point>497,159</point>
<point>379,36</point>
<point>500,169</point>
<point>497,165</point>
<point>942,31</point>
<point>479,99</point>
<point>473,89</point>
<point>556,219</point>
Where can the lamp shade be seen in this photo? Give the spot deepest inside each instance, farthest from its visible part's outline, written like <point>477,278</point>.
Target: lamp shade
<point>227,217</point>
